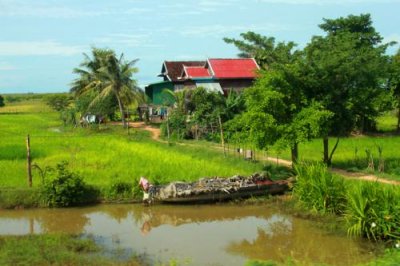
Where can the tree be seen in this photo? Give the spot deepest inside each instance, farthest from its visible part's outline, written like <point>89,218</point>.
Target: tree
<point>344,71</point>
<point>394,83</point>
<point>263,49</point>
<point>58,102</point>
<point>106,74</point>
<point>278,114</point>
<point>1,101</point>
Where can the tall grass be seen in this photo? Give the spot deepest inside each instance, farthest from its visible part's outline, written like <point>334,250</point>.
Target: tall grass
<point>371,209</point>
<point>318,189</point>
<point>102,155</point>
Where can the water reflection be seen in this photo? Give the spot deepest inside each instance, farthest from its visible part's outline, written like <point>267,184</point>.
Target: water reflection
<point>215,234</point>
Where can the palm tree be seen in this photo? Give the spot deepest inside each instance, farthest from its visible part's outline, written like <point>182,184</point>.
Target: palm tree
<point>106,74</point>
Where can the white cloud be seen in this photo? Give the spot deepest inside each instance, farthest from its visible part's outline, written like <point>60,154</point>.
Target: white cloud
<point>18,8</point>
<point>38,48</point>
<point>4,66</point>
<point>219,30</point>
<point>392,38</point>
<point>127,40</point>
<point>326,2</point>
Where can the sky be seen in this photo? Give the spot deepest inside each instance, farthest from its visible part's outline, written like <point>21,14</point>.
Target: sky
<point>41,41</point>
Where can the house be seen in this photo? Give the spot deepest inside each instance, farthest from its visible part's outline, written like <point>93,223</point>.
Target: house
<point>214,74</point>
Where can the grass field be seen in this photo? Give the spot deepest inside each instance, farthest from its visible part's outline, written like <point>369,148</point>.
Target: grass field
<point>100,156</point>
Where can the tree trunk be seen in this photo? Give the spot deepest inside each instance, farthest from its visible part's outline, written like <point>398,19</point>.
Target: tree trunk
<point>222,134</point>
<point>121,109</point>
<point>326,150</point>
<point>398,120</point>
<point>295,153</point>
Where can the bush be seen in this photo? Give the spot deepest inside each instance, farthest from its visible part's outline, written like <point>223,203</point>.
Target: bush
<point>373,210</point>
<point>120,190</point>
<point>67,189</point>
<point>319,190</point>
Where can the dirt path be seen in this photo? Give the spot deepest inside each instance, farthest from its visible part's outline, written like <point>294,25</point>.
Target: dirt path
<point>342,172</point>
<point>155,135</point>
<point>155,132</point>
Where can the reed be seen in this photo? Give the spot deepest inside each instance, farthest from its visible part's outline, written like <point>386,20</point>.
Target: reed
<point>318,189</point>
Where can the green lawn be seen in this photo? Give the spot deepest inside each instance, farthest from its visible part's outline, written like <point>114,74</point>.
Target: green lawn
<point>101,156</point>
<point>351,153</point>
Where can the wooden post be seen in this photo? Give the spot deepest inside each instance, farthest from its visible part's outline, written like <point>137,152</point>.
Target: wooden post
<point>222,134</point>
<point>168,127</point>
<point>28,159</point>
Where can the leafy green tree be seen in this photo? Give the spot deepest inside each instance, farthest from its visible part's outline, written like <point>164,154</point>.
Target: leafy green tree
<point>1,101</point>
<point>394,82</point>
<point>58,102</point>
<point>278,114</point>
<point>345,72</point>
<point>107,74</point>
<point>263,49</point>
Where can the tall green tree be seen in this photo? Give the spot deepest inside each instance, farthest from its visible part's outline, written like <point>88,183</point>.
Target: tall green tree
<point>106,74</point>
<point>263,49</point>
<point>1,101</point>
<point>394,83</point>
<point>345,72</point>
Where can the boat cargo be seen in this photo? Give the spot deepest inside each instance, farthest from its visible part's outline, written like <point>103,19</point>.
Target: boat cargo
<point>218,189</point>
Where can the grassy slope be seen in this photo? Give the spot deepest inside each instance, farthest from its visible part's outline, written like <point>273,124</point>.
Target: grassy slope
<point>100,156</point>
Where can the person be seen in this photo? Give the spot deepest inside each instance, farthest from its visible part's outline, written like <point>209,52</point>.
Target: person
<point>146,187</point>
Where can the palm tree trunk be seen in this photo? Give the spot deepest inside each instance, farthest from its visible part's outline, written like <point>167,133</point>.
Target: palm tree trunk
<point>121,109</point>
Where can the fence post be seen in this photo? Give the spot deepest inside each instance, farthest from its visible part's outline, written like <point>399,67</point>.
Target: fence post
<point>28,159</point>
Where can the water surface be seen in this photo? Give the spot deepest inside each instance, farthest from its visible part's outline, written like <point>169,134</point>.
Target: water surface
<point>199,235</point>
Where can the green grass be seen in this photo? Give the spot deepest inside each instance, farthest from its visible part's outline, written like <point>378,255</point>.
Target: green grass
<point>52,250</point>
<point>351,153</point>
<point>103,155</point>
<point>387,122</point>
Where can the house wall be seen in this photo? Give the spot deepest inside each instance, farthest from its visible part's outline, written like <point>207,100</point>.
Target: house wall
<point>235,84</point>
<point>154,91</point>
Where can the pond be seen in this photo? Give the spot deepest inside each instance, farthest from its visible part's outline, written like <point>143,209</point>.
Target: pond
<point>197,235</point>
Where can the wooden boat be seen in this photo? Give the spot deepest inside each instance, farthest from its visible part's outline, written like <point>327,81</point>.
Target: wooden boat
<point>199,193</point>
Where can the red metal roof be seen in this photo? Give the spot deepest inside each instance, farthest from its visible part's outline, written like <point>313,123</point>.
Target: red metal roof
<point>196,72</point>
<point>233,68</point>
<point>173,69</point>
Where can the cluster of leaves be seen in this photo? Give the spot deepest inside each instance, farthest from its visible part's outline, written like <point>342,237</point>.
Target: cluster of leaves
<point>65,188</point>
<point>338,83</point>
<point>198,113</point>
<point>1,101</point>
<point>370,208</point>
<point>120,190</point>
<point>106,78</point>
<point>319,190</point>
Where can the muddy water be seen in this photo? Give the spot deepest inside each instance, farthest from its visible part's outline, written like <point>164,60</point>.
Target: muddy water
<point>198,235</point>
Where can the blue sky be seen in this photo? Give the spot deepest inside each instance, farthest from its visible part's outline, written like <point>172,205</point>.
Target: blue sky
<point>41,41</point>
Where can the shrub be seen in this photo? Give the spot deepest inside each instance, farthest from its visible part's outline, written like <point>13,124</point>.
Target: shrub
<point>67,189</point>
<point>318,189</point>
<point>120,190</point>
<point>373,210</point>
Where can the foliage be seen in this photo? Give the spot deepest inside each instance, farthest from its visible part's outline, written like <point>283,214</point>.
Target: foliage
<point>344,71</point>
<point>373,211</point>
<point>106,74</point>
<point>11,198</point>
<point>394,83</point>
<point>85,104</point>
<point>318,189</point>
<point>1,101</point>
<point>120,190</point>
<point>52,249</point>
<point>58,102</point>
<point>263,49</point>
<point>66,189</point>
